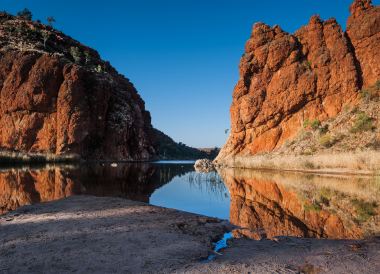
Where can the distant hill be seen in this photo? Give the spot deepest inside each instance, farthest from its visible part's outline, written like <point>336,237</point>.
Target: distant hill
<point>168,149</point>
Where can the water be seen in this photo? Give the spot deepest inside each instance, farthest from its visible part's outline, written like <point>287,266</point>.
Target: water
<point>262,204</point>
<point>220,245</point>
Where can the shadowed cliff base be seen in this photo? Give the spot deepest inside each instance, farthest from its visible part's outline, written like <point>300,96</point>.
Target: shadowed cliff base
<point>14,158</point>
<point>113,235</point>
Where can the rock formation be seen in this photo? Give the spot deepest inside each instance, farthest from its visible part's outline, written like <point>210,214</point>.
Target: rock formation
<point>277,204</point>
<point>58,97</point>
<point>204,166</point>
<point>286,79</point>
<point>19,187</point>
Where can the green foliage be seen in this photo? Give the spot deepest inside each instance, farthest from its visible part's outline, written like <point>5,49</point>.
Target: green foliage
<point>76,54</point>
<point>323,130</point>
<point>99,69</point>
<point>87,57</point>
<point>364,210</point>
<point>25,14</point>
<point>309,151</point>
<point>362,123</point>
<point>315,124</point>
<point>312,207</point>
<point>24,31</point>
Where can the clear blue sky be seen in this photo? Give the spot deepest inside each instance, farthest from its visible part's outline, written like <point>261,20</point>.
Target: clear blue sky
<point>182,55</point>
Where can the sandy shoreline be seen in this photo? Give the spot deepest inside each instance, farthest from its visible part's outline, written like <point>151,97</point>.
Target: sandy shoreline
<point>111,235</point>
<point>361,163</point>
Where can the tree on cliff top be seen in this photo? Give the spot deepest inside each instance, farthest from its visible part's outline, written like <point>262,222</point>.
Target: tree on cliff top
<point>25,14</point>
<point>50,20</point>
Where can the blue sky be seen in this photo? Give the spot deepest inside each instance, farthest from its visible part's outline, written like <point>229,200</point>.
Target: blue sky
<point>181,55</point>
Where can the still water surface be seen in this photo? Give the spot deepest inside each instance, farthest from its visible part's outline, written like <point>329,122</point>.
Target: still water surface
<point>263,204</point>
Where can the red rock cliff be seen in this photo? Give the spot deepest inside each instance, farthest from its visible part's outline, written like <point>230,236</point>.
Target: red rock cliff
<point>311,74</point>
<point>58,97</point>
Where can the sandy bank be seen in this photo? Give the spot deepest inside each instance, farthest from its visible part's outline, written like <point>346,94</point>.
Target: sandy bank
<point>111,235</point>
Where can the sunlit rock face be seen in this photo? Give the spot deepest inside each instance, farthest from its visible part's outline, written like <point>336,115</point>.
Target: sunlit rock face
<point>269,205</point>
<point>286,79</point>
<point>62,98</point>
<point>20,187</point>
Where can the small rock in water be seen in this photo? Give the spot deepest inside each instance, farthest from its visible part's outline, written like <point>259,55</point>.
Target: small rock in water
<point>204,165</point>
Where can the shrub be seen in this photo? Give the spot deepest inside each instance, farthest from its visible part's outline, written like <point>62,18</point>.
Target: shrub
<point>323,130</point>
<point>25,14</point>
<point>308,165</point>
<point>326,140</point>
<point>363,123</point>
<point>50,20</point>
<point>355,109</point>
<point>306,123</point>
<point>76,54</point>
<point>303,135</point>
<point>312,207</point>
<point>315,124</point>
<point>87,57</point>
<point>364,210</point>
<point>45,37</point>
<point>99,69</point>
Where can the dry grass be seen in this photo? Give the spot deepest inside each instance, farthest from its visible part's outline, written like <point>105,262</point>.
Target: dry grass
<point>14,157</point>
<point>352,162</point>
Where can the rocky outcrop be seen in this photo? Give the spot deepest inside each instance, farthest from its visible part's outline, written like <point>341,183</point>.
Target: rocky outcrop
<point>58,97</point>
<point>204,166</point>
<point>286,79</point>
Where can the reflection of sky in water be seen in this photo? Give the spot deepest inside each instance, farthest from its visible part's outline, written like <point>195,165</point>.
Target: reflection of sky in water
<point>197,193</point>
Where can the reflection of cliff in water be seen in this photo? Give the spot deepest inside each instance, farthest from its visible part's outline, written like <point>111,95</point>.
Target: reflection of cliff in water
<point>274,204</point>
<point>20,187</point>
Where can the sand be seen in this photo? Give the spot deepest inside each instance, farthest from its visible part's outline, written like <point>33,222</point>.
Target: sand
<point>85,234</point>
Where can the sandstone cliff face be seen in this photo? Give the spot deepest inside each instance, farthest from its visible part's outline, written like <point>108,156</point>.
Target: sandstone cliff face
<point>58,97</point>
<point>286,79</point>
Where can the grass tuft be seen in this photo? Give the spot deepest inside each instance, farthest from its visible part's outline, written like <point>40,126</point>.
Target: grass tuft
<point>362,123</point>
